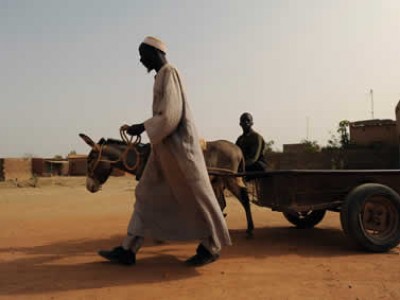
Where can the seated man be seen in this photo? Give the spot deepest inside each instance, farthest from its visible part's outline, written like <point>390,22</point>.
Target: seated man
<point>252,145</point>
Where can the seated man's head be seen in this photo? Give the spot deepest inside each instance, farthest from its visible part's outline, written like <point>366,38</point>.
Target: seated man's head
<point>246,121</point>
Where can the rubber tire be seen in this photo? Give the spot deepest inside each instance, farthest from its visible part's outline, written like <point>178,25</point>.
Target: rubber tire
<point>309,221</point>
<point>352,223</point>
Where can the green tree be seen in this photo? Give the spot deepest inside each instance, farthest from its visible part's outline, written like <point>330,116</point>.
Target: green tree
<point>333,142</point>
<point>311,146</point>
<point>268,146</point>
<point>341,139</point>
<point>72,152</point>
<point>343,130</point>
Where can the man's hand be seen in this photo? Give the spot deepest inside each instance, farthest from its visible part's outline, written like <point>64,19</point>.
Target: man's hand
<point>135,129</point>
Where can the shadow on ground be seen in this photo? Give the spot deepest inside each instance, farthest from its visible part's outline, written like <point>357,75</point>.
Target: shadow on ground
<point>44,268</point>
<point>41,269</point>
<point>278,241</point>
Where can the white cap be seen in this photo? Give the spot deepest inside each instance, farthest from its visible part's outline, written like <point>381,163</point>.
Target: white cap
<point>156,43</point>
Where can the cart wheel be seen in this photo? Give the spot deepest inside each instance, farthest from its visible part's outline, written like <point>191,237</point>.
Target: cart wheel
<point>305,219</point>
<point>370,217</point>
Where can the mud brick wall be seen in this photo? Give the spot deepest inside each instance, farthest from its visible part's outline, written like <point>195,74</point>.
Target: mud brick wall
<point>38,166</point>
<point>385,158</point>
<point>17,168</point>
<point>78,166</point>
<point>304,160</point>
<point>1,169</point>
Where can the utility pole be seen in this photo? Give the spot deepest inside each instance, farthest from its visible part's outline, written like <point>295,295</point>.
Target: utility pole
<point>371,92</point>
<point>307,127</point>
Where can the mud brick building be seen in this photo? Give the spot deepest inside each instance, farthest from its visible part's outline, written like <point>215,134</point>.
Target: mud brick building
<point>17,169</point>
<point>374,132</point>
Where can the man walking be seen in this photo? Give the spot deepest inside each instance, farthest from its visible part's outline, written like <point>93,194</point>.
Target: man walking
<point>174,197</point>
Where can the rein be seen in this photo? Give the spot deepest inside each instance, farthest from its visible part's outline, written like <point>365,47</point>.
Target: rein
<point>124,155</point>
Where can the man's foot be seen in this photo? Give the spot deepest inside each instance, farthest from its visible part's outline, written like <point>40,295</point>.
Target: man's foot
<point>119,255</point>
<point>201,258</point>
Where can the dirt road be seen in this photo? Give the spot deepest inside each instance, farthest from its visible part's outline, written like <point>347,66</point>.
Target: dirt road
<point>49,237</point>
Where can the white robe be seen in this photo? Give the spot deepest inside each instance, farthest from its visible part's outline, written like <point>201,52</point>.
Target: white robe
<point>174,197</point>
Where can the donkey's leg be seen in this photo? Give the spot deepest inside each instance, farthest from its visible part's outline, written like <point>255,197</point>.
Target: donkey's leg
<point>218,187</point>
<point>240,192</point>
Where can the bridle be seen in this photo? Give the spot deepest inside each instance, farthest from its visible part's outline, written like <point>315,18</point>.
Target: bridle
<point>123,157</point>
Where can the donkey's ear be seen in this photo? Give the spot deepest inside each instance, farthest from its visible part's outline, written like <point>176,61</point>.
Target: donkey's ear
<point>88,140</point>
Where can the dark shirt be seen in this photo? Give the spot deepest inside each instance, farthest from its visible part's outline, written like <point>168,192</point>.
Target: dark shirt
<point>253,147</point>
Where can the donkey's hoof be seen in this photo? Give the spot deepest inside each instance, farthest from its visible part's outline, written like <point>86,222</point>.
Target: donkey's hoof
<point>249,235</point>
<point>159,242</point>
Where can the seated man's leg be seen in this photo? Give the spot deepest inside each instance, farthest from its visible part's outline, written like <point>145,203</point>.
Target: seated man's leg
<point>258,166</point>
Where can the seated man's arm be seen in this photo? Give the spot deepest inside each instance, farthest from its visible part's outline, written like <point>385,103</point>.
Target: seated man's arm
<point>253,150</point>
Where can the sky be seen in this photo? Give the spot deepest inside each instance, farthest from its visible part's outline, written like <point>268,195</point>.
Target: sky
<point>299,67</point>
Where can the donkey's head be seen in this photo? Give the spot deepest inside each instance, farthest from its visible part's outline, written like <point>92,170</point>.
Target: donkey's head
<point>99,162</point>
<point>110,153</point>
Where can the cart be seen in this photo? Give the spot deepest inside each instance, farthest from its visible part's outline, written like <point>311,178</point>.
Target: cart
<point>368,201</point>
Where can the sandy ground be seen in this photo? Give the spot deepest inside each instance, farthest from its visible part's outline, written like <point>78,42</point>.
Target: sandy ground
<point>49,236</point>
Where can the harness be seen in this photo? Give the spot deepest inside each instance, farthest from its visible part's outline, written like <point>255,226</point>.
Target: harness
<point>216,171</point>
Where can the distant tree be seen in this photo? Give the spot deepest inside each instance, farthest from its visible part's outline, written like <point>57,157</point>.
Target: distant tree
<point>57,156</point>
<point>343,130</point>
<point>72,152</point>
<point>268,146</point>
<point>311,146</point>
<point>333,142</point>
<point>339,142</point>
<point>342,140</point>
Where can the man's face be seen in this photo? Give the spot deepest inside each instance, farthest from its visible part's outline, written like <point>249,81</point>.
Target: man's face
<point>246,121</point>
<point>146,57</point>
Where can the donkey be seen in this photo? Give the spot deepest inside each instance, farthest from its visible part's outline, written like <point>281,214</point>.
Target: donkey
<point>223,159</point>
